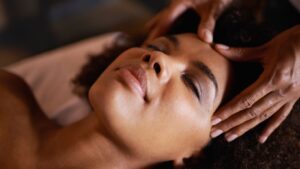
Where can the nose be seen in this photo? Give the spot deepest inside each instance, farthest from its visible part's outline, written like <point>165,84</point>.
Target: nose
<point>157,62</point>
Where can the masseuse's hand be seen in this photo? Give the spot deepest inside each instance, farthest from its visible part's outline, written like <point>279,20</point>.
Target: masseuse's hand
<point>272,96</point>
<point>208,10</point>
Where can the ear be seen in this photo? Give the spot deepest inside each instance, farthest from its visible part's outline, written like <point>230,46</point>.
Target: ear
<point>178,163</point>
<point>181,163</point>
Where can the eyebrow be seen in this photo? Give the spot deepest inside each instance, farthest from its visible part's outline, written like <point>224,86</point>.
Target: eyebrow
<point>206,70</point>
<point>200,65</point>
<point>173,39</point>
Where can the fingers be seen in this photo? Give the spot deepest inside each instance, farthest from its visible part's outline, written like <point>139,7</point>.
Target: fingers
<point>275,121</point>
<point>263,109</point>
<point>250,124</point>
<point>206,29</point>
<point>207,25</point>
<point>241,54</point>
<point>209,14</point>
<point>161,23</point>
<point>152,23</point>
<point>244,100</point>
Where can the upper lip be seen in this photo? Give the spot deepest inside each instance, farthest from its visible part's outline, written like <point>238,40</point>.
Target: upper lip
<point>140,74</point>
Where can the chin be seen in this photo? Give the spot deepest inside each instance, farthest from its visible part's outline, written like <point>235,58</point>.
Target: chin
<point>115,106</point>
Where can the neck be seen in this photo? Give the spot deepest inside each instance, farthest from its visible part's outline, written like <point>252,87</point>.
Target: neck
<point>83,145</point>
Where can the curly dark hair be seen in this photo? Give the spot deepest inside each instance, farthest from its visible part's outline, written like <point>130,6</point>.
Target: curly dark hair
<point>236,27</point>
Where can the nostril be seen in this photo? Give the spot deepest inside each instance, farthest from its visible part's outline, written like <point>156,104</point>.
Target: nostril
<point>146,58</point>
<point>157,68</point>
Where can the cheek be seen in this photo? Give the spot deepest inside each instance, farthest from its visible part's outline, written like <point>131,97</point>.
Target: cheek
<point>107,93</point>
<point>114,97</point>
<point>114,104</point>
<point>181,122</point>
<point>192,116</point>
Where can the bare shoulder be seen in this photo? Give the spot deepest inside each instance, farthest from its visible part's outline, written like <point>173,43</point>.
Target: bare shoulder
<point>15,91</point>
<point>10,83</point>
<point>19,112</point>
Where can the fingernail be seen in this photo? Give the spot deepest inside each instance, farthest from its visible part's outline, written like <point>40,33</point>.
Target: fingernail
<point>262,139</point>
<point>216,133</point>
<point>221,46</point>
<point>207,36</point>
<point>215,121</point>
<point>231,137</point>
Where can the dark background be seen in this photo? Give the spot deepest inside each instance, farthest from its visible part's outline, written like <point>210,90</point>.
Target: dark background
<point>28,27</point>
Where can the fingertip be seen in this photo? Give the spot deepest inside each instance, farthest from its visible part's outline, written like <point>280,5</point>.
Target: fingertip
<point>230,137</point>
<point>223,50</point>
<point>221,47</point>
<point>206,35</point>
<point>262,139</point>
<point>215,121</point>
<point>216,133</point>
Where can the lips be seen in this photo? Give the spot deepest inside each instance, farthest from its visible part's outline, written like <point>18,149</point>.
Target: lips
<point>136,78</point>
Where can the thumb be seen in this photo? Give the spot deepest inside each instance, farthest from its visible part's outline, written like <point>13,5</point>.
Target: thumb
<point>240,54</point>
<point>152,22</point>
<point>206,28</point>
<point>163,21</point>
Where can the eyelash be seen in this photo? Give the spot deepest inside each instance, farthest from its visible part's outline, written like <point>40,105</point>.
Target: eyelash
<point>156,48</point>
<point>189,82</point>
<point>186,79</point>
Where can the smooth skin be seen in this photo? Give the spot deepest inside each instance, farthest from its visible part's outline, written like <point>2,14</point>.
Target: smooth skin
<point>125,130</point>
<point>172,123</point>
<point>272,96</point>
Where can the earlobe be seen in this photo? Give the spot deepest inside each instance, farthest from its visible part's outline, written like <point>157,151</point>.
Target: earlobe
<point>178,163</point>
<point>184,162</point>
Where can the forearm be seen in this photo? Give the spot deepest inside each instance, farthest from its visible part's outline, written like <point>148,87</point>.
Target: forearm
<point>296,37</point>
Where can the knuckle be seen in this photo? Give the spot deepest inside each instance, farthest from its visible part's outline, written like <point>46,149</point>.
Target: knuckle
<point>281,77</point>
<point>292,88</point>
<point>270,102</point>
<point>239,52</point>
<point>265,116</point>
<point>252,113</point>
<point>227,126</point>
<point>268,86</point>
<point>247,102</point>
<point>288,90</point>
<point>280,93</point>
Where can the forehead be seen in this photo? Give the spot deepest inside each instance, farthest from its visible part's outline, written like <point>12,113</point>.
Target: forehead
<point>191,48</point>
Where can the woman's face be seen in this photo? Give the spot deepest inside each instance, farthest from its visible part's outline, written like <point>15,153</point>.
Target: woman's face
<point>157,100</point>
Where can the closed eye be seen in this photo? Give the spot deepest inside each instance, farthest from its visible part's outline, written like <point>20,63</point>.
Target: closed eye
<point>191,85</point>
<point>153,47</point>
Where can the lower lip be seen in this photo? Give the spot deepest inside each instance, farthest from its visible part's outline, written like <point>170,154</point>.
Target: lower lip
<point>130,80</point>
